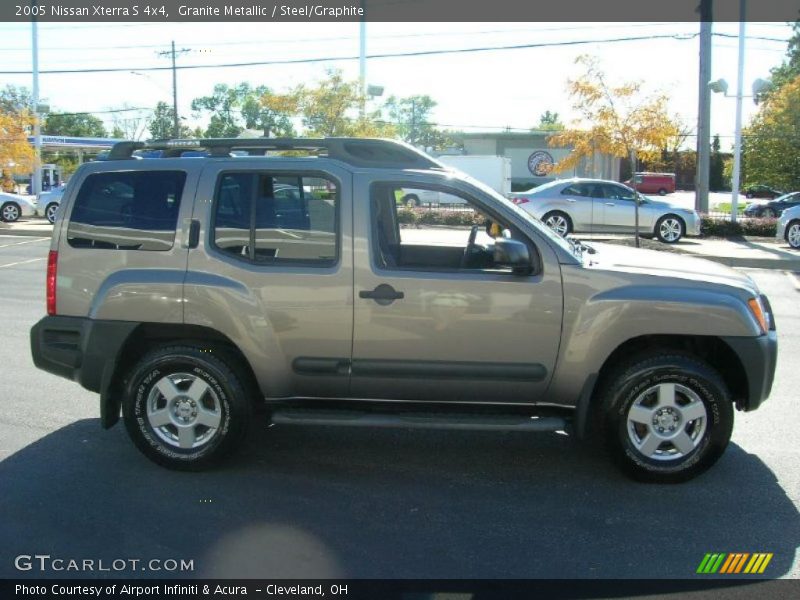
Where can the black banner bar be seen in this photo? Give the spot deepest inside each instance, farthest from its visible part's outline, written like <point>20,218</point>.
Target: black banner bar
<point>155,11</point>
<point>701,588</point>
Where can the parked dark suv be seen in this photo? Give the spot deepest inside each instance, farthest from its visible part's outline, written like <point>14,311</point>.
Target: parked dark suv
<point>188,291</point>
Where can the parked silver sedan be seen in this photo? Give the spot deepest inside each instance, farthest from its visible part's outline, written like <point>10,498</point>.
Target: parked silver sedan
<point>598,206</point>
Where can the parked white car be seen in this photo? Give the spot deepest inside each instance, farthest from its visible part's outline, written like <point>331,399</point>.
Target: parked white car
<point>13,206</point>
<point>789,227</point>
<point>49,202</point>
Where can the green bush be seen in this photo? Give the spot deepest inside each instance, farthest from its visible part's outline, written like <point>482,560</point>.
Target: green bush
<point>726,228</point>
<point>406,216</point>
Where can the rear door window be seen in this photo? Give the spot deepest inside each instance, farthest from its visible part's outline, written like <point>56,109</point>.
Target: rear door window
<point>131,210</point>
<point>268,218</point>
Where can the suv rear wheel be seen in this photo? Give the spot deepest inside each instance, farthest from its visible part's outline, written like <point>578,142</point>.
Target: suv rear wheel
<point>185,407</point>
<point>667,418</point>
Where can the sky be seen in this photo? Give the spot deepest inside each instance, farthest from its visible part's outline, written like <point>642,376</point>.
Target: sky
<point>477,91</point>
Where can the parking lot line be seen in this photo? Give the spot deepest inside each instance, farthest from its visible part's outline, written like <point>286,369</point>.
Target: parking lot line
<point>22,262</point>
<point>25,242</point>
<point>794,278</point>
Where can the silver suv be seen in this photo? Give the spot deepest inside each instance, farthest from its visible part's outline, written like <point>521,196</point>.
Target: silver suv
<point>189,290</point>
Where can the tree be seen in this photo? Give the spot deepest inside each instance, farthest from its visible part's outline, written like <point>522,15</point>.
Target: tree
<point>790,68</point>
<point>614,119</point>
<point>234,109</point>
<point>73,124</point>
<point>550,121</point>
<point>411,117</point>
<point>162,122</point>
<point>716,167</point>
<point>129,124</point>
<point>271,112</point>
<point>771,149</point>
<point>16,154</point>
<point>15,99</point>
<point>331,109</point>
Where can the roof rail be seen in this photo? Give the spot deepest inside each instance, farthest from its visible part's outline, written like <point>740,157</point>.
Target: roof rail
<point>358,152</point>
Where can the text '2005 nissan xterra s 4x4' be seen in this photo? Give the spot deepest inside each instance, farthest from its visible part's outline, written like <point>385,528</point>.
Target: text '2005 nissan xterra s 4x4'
<point>190,281</point>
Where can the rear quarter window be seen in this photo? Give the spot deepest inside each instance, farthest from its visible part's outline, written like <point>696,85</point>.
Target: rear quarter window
<point>132,210</point>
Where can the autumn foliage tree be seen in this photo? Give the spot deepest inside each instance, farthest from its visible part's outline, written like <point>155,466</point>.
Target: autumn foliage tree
<point>16,154</point>
<point>331,108</point>
<point>613,119</point>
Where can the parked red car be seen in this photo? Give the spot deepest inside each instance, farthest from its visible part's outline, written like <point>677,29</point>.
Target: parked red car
<point>653,183</point>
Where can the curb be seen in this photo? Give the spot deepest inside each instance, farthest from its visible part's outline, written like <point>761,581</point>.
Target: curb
<point>753,263</point>
<point>44,232</point>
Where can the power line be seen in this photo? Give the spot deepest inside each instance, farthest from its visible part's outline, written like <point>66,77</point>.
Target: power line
<point>272,41</point>
<point>680,37</point>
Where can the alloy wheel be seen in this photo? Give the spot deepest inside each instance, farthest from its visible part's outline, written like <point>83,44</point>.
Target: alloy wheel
<point>670,229</point>
<point>558,223</point>
<point>184,411</point>
<point>666,422</point>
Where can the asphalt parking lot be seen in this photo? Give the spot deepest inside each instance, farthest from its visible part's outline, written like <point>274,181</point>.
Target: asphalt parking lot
<point>338,502</point>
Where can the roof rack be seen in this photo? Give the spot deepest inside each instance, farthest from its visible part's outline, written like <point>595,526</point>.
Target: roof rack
<point>358,152</point>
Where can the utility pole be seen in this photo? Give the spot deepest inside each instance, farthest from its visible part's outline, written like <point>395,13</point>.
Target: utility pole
<point>36,181</point>
<point>703,109</point>
<point>176,128</point>
<point>362,59</point>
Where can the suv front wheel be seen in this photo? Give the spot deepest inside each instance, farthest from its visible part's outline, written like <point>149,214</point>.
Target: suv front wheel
<point>666,418</point>
<point>185,407</point>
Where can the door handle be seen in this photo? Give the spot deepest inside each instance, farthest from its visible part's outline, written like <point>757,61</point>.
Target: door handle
<point>610,204</point>
<point>384,294</point>
<point>571,200</point>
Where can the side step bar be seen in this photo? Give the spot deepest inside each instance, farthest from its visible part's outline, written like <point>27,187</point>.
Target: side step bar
<point>477,422</point>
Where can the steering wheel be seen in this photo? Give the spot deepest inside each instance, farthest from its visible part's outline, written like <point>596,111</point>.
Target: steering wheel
<point>470,246</point>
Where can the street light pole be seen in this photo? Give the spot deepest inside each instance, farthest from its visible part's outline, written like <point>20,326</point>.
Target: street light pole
<point>36,181</point>
<point>737,144</point>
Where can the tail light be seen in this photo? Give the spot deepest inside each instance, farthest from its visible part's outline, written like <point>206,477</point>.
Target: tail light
<point>52,267</point>
<point>520,200</point>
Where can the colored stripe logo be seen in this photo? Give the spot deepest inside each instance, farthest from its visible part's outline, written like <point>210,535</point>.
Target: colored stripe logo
<point>734,562</point>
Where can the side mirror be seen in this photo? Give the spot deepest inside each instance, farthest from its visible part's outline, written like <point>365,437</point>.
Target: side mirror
<point>514,254</point>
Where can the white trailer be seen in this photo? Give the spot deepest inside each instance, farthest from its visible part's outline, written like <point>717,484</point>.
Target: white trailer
<point>494,171</point>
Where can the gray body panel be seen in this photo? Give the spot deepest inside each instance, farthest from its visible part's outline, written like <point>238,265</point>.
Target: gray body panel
<point>470,337</point>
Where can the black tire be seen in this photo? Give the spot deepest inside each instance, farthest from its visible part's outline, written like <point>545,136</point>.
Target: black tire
<point>631,383</point>
<point>50,211</point>
<point>767,213</point>
<point>411,200</point>
<point>226,392</point>
<point>10,212</point>
<point>666,237</point>
<point>662,192</point>
<point>554,214</point>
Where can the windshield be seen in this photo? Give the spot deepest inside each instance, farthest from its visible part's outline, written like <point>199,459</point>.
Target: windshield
<point>541,227</point>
